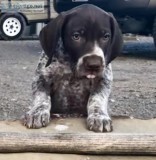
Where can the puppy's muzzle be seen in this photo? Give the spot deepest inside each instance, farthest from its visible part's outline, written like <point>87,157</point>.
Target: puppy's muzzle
<point>93,65</point>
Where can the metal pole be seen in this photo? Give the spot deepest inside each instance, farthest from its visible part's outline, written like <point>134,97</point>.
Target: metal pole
<point>9,4</point>
<point>49,9</point>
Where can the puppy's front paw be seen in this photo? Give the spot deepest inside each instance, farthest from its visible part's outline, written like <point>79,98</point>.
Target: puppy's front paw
<point>99,123</point>
<point>36,119</point>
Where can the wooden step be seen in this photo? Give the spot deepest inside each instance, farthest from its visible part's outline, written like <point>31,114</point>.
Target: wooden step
<point>130,137</point>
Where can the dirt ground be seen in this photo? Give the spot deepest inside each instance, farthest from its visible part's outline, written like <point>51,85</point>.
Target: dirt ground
<point>134,89</point>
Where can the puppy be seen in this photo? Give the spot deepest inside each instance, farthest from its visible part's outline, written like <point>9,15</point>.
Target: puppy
<point>74,73</point>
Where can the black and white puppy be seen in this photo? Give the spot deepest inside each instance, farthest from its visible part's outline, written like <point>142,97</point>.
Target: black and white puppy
<point>74,74</point>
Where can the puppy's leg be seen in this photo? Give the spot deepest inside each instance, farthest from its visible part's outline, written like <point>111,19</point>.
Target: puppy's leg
<point>39,115</point>
<point>98,119</point>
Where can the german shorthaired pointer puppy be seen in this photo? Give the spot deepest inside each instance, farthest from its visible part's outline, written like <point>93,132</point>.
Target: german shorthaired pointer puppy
<point>74,73</point>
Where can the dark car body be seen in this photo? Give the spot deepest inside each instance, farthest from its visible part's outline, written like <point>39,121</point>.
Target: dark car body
<point>133,16</point>
<point>131,7</point>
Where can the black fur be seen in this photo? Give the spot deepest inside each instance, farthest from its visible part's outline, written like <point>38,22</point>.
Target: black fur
<point>92,23</point>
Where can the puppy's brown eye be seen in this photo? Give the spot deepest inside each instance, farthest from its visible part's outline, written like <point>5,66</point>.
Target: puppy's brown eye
<point>76,36</point>
<point>106,36</point>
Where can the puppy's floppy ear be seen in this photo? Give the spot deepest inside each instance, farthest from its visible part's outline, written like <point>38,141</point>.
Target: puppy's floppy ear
<point>116,40</point>
<point>50,35</point>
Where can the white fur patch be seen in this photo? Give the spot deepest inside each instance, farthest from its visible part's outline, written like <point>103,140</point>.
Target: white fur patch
<point>97,51</point>
<point>99,100</point>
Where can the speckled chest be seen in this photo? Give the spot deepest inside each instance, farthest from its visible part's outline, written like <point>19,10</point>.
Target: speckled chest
<point>70,94</point>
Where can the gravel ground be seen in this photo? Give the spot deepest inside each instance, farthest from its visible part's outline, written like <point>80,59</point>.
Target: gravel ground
<point>134,88</point>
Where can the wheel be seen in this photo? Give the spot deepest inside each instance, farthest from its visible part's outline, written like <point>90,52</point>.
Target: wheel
<point>11,26</point>
<point>154,31</point>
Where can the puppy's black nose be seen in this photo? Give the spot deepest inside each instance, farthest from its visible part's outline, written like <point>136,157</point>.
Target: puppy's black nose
<point>92,62</point>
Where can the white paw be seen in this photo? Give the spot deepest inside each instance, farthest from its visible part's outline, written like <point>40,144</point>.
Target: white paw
<point>36,119</point>
<point>99,123</point>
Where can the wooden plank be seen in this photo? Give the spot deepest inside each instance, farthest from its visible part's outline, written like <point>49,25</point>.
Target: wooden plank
<point>78,143</point>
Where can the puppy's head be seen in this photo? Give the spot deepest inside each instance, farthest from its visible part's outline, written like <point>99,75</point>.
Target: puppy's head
<point>91,37</point>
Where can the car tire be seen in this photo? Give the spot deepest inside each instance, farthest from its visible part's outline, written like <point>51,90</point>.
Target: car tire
<point>154,31</point>
<point>12,26</point>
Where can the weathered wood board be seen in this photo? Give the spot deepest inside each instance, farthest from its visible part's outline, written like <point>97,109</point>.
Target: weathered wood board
<point>70,136</point>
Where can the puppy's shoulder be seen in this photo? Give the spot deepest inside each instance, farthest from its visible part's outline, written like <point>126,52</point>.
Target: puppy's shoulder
<point>42,62</point>
<point>108,75</point>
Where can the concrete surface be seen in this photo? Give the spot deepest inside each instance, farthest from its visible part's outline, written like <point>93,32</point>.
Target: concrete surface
<point>43,156</point>
<point>133,92</point>
<point>65,125</point>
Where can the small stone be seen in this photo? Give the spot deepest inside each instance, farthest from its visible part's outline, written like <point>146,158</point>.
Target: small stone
<point>24,68</point>
<point>61,127</point>
<point>112,100</point>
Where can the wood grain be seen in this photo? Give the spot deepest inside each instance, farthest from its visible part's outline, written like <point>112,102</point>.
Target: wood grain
<point>79,143</point>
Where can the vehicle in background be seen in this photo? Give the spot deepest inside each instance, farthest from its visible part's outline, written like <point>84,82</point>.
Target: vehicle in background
<point>15,15</point>
<point>133,16</point>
